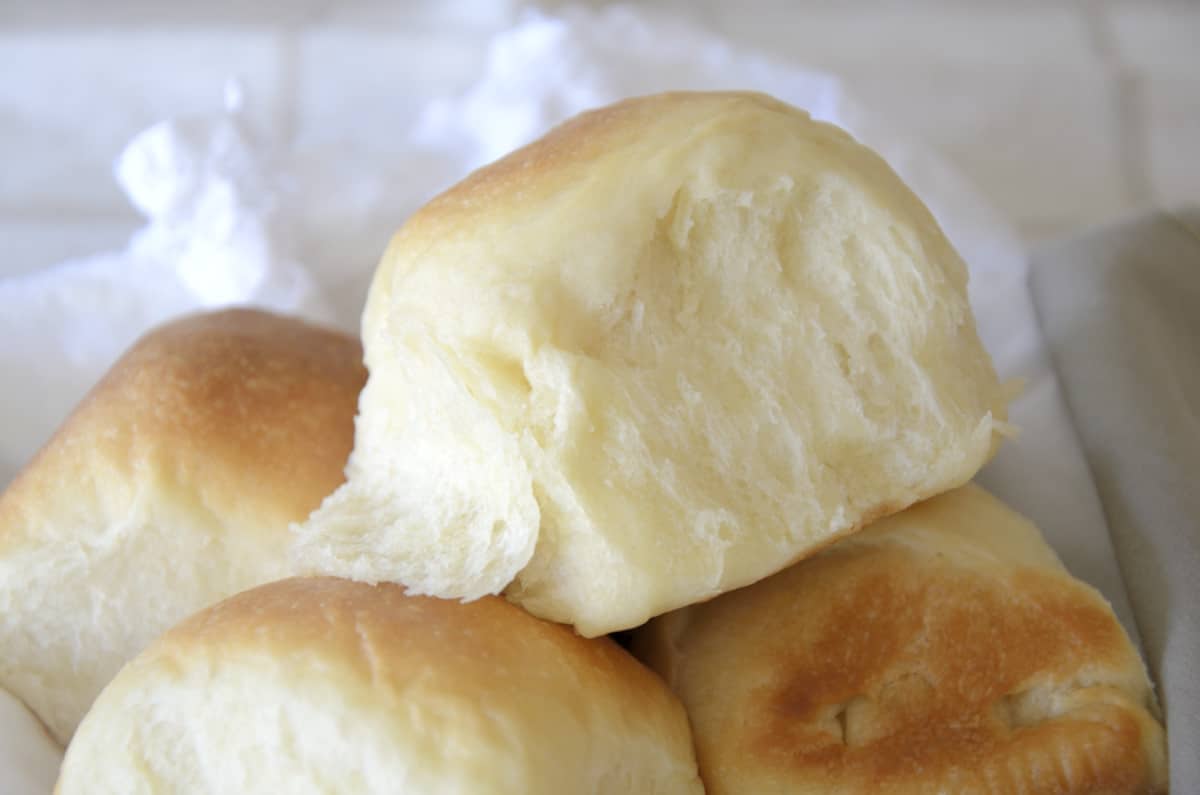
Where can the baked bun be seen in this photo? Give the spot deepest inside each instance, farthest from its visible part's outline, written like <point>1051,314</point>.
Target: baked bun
<point>663,352</point>
<point>328,685</point>
<point>171,486</point>
<point>944,650</point>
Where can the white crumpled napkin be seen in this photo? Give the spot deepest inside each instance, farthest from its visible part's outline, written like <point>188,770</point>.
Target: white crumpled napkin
<point>215,235</point>
<point>233,219</point>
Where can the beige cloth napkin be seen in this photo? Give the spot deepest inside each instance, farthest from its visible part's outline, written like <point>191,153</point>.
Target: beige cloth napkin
<point>1120,308</point>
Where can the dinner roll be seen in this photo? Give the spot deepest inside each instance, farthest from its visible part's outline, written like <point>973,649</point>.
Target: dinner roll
<point>323,685</point>
<point>943,650</point>
<point>663,352</point>
<point>171,486</point>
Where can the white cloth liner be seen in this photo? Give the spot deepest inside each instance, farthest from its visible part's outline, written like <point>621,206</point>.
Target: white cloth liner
<point>1118,307</point>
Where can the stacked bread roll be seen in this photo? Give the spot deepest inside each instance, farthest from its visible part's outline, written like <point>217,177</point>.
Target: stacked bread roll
<point>665,364</point>
<point>328,685</point>
<point>943,649</point>
<point>171,486</point>
<point>664,352</point>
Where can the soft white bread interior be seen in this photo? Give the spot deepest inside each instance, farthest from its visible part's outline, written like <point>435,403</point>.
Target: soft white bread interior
<point>323,685</point>
<point>663,352</point>
<point>944,649</point>
<point>171,486</point>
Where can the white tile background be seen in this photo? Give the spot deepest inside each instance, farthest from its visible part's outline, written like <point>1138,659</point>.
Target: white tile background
<point>1065,112</point>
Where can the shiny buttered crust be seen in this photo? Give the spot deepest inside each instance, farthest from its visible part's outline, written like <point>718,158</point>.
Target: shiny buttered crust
<point>171,486</point>
<point>331,686</point>
<point>663,352</point>
<point>943,650</point>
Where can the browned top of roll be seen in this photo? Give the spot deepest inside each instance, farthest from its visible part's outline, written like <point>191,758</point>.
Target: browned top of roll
<point>942,650</point>
<point>172,485</point>
<point>236,401</point>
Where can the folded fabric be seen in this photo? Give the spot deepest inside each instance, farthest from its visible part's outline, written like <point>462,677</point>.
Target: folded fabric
<point>1119,309</point>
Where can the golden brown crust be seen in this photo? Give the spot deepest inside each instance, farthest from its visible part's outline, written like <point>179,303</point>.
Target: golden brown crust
<point>219,384</point>
<point>557,158</point>
<point>200,400</point>
<point>885,664</point>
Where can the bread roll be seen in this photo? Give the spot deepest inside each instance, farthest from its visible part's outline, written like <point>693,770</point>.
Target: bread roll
<point>322,685</point>
<point>663,352</point>
<point>943,650</point>
<point>171,486</point>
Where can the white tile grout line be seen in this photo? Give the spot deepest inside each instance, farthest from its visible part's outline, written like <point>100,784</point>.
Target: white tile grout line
<point>288,102</point>
<point>1128,105</point>
<point>288,87</point>
<point>67,211</point>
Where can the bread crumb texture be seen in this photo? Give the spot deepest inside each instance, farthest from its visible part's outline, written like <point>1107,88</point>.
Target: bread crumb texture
<point>663,352</point>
